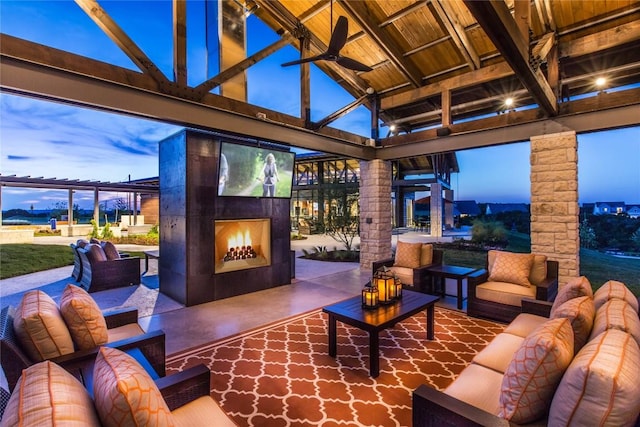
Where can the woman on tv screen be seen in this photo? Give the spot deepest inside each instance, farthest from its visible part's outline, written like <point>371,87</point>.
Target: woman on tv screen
<point>269,176</point>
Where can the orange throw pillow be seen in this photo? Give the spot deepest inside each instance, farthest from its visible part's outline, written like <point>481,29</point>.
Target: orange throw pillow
<point>512,268</point>
<point>408,255</point>
<point>83,318</point>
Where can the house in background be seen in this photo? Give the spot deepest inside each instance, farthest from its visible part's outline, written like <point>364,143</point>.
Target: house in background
<point>466,208</point>
<point>633,211</point>
<point>609,208</point>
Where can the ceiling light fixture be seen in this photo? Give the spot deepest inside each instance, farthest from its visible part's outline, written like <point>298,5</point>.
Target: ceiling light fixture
<point>601,81</point>
<point>392,128</point>
<point>508,102</point>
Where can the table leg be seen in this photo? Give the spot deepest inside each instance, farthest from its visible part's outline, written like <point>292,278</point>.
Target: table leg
<point>146,264</point>
<point>459,294</point>
<point>332,336</point>
<point>374,354</point>
<point>431,313</point>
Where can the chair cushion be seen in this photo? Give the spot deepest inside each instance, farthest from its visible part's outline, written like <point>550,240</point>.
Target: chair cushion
<point>408,254</point>
<point>580,312</point>
<point>43,387</point>
<point>123,332</point>
<point>616,314</point>
<point>404,274</point>
<point>110,250</point>
<point>95,253</point>
<point>601,385</point>
<point>40,327</point>
<point>524,324</point>
<point>614,289</point>
<point>125,394</point>
<point>535,371</point>
<point>499,353</point>
<point>511,268</point>
<point>504,293</point>
<point>426,254</point>
<point>538,269</point>
<point>575,287</point>
<point>203,411</point>
<point>478,386</point>
<point>83,318</point>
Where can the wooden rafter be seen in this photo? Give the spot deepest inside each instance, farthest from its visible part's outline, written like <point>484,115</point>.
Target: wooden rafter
<point>180,42</point>
<point>496,21</point>
<point>403,12</point>
<point>241,66</point>
<point>360,12</point>
<point>607,39</point>
<point>543,9</point>
<point>541,50</point>
<point>120,38</point>
<point>340,113</point>
<point>454,28</point>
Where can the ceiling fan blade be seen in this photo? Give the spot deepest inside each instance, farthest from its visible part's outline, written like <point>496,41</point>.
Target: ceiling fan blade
<point>302,61</point>
<point>352,64</point>
<point>338,37</point>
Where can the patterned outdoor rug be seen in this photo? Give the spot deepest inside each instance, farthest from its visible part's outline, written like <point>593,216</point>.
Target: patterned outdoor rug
<point>282,375</point>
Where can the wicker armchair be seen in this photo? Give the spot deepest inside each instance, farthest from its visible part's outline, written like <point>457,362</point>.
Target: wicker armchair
<point>77,262</point>
<point>415,279</point>
<point>15,359</point>
<point>100,273</point>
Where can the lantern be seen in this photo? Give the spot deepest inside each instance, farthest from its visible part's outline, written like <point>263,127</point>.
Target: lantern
<point>386,284</point>
<point>398,289</point>
<point>369,296</point>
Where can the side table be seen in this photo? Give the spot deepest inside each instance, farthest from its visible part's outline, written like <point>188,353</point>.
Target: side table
<point>443,272</point>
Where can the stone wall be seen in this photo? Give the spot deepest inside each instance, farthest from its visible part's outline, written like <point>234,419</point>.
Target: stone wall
<point>554,201</point>
<point>375,212</point>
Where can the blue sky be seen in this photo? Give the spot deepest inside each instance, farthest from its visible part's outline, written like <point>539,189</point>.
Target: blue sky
<point>53,140</point>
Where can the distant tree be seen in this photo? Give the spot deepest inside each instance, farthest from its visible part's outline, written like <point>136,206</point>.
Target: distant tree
<point>342,222</point>
<point>635,237</point>
<point>489,233</point>
<point>587,235</point>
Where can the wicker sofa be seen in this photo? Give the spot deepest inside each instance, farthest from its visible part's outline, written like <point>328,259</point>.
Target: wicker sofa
<point>496,291</point>
<point>410,265</point>
<point>573,362</point>
<point>103,268</point>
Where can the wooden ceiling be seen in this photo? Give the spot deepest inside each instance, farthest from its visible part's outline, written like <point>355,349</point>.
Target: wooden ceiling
<point>441,71</point>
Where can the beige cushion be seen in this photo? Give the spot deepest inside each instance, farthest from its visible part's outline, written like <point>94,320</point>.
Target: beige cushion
<point>40,327</point>
<point>535,371</point>
<point>95,253</point>
<point>575,287</point>
<point>601,385</point>
<point>538,270</point>
<point>524,324</point>
<point>511,268</point>
<point>426,254</point>
<point>616,314</point>
<point>408,254</point>
<point>48,395</point>
<point>201,412</point>
<point>405,274</point>
<point>504,293</point>
<point>498,354</point>
<point>110,250</point>
<point>123,332</point>
<point>125,394</point>
<point>478,386</point>
<point>614,289</point>
<point>580,312</point>
<point>83,318</point>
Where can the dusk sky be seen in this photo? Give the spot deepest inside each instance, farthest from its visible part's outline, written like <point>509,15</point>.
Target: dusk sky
<point>40,138</point>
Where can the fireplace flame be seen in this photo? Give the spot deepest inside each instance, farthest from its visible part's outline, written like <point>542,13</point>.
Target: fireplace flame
<point>239,241</point>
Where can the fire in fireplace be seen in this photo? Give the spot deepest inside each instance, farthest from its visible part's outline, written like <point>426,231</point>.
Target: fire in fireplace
<point>241,244</point>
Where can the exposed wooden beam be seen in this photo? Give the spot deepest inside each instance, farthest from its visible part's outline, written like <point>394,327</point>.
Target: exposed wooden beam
<point>180,42</point>
<point>120,38</point>
<point>606,39</point>
<point>496,21</point>
<point>483,75</point>
<point>340,113</point>
<point>454,28</point>
<point>522,15</point>
<point>446,107</point>
<point>361,13</point>
<point>403,12</point>
<point>314,10</point>
<point>241,66</point>
<point>541,50</point>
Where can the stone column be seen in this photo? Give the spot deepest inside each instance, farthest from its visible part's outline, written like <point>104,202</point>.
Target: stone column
<point>436,210</point>
<point>555,213</point>
<point>448,208</point>
<point>375,212</point>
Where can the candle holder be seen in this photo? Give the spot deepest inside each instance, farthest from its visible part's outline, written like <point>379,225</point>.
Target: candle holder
<point>386,284</point>
<point>369,296</point>
<point>398,289</point>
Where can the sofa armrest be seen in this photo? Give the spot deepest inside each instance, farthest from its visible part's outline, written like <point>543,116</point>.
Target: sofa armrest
<point>120,317</point>
<point>432,407</point>
<point>547,289</point>
<point>376,265</point>
<point>537,307</point>
<point>477,277</point>
<point>186,386</point>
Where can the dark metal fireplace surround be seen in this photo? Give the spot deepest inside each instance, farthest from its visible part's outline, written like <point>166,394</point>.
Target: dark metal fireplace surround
<point>189,211</point>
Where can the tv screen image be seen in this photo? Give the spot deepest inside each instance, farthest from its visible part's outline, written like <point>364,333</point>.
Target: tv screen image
<point>252,171</point>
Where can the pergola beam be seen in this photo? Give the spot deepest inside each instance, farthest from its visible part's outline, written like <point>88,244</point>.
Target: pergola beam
<point>454,28</point>
<point>496,21</point>
<point>340,113</point>
<point>180,42</point>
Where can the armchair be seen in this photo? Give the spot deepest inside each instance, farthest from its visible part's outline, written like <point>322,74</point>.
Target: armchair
<point>101,272</point>
<point>77,262</point>
<point>496,292</point>
<point>410,265</point>
<point>123,333</point>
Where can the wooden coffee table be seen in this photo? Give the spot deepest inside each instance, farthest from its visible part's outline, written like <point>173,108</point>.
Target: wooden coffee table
<point>373,321</point>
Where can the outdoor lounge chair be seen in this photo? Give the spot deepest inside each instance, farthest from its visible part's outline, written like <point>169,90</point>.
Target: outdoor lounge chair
<point>101,272</point>
<point>77,262</point>
<point>414,276</point>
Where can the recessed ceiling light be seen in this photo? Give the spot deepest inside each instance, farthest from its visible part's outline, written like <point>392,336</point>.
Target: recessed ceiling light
<point>601,81</point>
<point>392,128</point>
<point>508,102</point>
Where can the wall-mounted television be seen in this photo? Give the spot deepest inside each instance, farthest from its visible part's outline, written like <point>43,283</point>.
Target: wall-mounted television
<point>254,171</point>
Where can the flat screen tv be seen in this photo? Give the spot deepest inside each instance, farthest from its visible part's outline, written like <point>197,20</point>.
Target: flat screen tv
<point>253,171</point>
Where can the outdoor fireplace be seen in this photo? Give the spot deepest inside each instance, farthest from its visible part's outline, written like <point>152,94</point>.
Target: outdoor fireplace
<point>242,244</point>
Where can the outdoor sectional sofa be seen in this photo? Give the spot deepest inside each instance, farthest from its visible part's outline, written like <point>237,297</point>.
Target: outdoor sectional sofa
<point>573,362</point>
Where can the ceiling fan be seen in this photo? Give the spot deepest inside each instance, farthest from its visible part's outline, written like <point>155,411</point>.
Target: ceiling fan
<point>337,42</point>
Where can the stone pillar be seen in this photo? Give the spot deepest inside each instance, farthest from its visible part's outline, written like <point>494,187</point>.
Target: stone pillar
<point>375,212</point>
<point>448,208</point>
<point>555,213</point>
<point>436,210</point>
